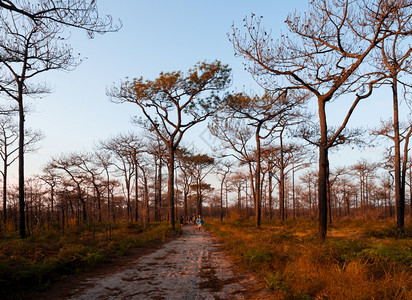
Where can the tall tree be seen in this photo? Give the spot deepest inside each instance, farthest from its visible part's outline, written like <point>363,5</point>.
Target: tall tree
<point>9,134</point>
<point>323,55</point>
<point>126,148</point>
<point>172,104</point>
<point>223,169</point>
<point>393,63</point>
<point>32,45</point>
<point>202,165</point>
<point>399,133</point>
<point>264,114</point>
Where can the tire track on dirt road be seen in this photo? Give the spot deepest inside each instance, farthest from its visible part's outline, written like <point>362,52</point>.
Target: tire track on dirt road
<point>192,266</point>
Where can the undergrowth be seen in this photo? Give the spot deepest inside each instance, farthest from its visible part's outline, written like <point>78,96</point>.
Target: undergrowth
<point>368,260</point>
<point>38,261</point>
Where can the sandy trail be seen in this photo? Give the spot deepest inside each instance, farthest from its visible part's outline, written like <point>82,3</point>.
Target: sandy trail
<point>190,267</point>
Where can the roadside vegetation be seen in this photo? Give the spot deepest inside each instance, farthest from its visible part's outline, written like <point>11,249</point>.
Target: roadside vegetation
<point>359,260</point>
<point>36,262</point>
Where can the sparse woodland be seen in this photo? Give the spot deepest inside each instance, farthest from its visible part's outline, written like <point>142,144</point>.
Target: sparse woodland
<point>270,159</point>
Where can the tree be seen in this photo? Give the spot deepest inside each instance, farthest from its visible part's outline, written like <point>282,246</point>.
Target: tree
<point>156,148</point>
<point>80,14</point>
<point>223,169</point>
<point>33,45</point>
<point>126,148</point>
<point>8,137</point>
<point>67,164</point>
<point>399,133</point>
<point>172,104</point>
<point>186,175</point>
<point>333,41</point>
<point>395,61</point>
<point>51,178</point>
<point>9,134</point>
<point>202,165</point>
<point>262,113</point>
<point>365,170</point>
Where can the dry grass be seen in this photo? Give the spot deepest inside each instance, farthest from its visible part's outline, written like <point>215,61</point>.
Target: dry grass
<point>358,260</point>
<point>38,261</point>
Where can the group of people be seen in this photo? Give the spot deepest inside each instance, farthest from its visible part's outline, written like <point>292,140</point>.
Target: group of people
<point>192,219</point>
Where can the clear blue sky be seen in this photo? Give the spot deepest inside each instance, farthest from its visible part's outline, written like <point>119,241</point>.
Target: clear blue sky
<point>156,36</point>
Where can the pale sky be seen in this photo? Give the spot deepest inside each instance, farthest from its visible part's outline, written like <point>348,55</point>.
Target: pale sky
<point>156,36</point>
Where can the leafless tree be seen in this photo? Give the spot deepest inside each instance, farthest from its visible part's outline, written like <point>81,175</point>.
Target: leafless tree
<point>263,114</point>
<point>80,14</point>
<point>224,168</point>
<point>157,149</point>
<point>323,55</point>
<point>9,134</point>
<point>393,63</point>
<point>52,179</point>
<point>34,44</point>
<point>66,165</point>
<point>127,149</point>
<point>365,170</point>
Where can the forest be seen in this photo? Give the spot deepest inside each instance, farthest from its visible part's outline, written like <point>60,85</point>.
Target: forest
<point>270,157</point>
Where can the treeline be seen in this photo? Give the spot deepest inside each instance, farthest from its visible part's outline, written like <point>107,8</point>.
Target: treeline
<point>123,178</point>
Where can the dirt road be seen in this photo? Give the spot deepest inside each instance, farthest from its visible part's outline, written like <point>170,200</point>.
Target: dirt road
<point>192,266</point>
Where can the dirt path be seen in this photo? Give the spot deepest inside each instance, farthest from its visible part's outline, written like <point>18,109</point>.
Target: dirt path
<point>192,266</point>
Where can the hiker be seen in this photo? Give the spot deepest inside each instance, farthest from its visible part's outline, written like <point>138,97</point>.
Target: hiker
<point>199,222</point>
<point>181,221</point>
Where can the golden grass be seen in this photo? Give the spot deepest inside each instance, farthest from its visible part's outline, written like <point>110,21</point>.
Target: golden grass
<point>358,260</point>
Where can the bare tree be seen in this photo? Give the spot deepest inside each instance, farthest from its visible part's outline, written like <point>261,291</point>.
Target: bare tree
<point>127,148</point>
<point>393,63</point>
<point>186,175</point>
<point>66,164</point>
<point>365,171</point>
<point>80,14</point>
<point>223,169</point>
<point>157,149</point>
<point>333,41</point>
<point>262,113</point>
<point>202,165</point>
<point>399,133</point>
<point>33,45</point>
<point>172,104</point>
<point>9,134</point>
<point>52,179</point>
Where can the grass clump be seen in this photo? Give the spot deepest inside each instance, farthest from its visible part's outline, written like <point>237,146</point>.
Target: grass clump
<point>352,263</point>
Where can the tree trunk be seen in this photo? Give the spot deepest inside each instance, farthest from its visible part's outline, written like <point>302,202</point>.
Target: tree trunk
<point>158,191</point>
<point>21,169</point>
<point>221,199</point>
<point>258,190</point>
<point>270,196</point>
<point>323,172</point>
<point>282,181</point>
<point>136,209</point>
<point>5,190</point>
<point>329,196</point>
<point>146,201</point>
<point>170,186</point>
<point>399,198</point>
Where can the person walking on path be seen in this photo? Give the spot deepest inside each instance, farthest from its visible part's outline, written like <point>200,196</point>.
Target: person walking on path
<point>199,222</point>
